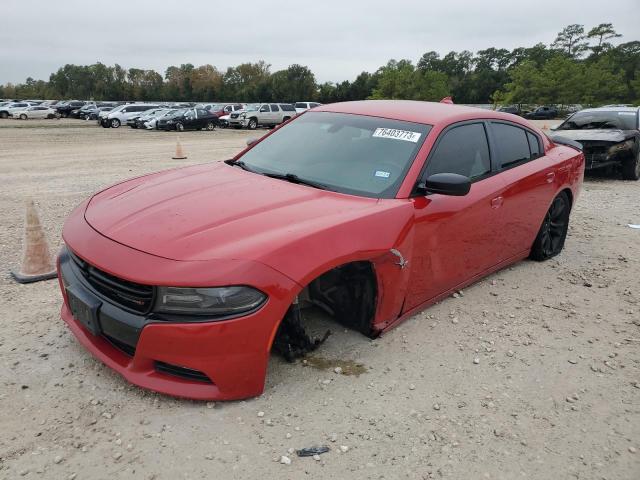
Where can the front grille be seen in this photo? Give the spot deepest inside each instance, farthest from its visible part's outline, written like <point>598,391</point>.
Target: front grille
<point>235,115</point>
<point>182,372</point>
<point>123,347</point>
<point>133,296</point>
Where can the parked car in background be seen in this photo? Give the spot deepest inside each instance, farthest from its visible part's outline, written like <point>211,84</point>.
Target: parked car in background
<point>102,115</point>
<point>66,108</point>
<point>121,114</point>
<point>610,137</point>
<point>34,111</point>
<point>222,109</point>
<point>223,121</point>
<point>92,112</point>
<point>304,106</point>
<point>542,113</point>
<point>262,115</point>
<point>139,120</point>
<point>152,122</point>
<point>512,109</point>
<point>7,110</point>
<point>189,119</point>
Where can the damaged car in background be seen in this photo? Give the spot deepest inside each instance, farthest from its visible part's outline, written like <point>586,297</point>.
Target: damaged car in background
<point>184,281</point>
<point>610,138</point>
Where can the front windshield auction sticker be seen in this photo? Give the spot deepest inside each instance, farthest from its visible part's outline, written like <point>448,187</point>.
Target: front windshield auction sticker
<point>405,135</point>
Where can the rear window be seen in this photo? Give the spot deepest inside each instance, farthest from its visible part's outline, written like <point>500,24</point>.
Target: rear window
<point>592,120</point>
<point>288,108</point>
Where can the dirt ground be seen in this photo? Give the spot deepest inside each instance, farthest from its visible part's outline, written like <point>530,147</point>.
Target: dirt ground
<point>533,373</point>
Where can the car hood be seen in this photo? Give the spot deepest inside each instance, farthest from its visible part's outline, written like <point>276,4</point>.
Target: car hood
<point>606,135</point>
<point>216,211</point>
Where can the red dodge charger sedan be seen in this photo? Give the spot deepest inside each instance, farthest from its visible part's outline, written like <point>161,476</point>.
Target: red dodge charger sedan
<point>183,281</point>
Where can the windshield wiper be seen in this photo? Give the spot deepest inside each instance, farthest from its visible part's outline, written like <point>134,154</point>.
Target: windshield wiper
<point>242,165</point>
<point>293,178</point>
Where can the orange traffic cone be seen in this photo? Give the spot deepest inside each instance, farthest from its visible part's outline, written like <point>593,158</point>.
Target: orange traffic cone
<point>36,261</point>
<point>179,153</point>
<point>545,127</point>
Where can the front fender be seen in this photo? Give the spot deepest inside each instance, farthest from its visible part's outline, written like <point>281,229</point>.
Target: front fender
<point>369,238</point>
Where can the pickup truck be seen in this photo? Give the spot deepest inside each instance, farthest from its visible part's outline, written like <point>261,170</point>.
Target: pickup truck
<point>542,113</point>
<point>262,115</point>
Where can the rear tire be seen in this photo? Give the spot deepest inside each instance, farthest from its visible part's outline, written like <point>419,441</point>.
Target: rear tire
<point>4,115</point>
<point>553,231</point>
<point>631,167</point>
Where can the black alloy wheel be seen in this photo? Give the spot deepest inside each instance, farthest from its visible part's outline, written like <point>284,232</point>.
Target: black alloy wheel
<point>553,232</point>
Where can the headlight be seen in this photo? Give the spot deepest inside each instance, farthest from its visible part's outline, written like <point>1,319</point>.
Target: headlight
<point>208,301</point>
<point>243,115</point>
<point>169,121</point>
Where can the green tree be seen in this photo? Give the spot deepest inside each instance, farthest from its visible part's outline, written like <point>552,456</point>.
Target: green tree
<point>401,80</point>
<point>295,83</point>
<point>602,33</point>
<point>571,40</point>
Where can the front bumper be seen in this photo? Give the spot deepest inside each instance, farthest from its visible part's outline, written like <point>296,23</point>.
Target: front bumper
<point>208,360</point>
<point>238,122</point>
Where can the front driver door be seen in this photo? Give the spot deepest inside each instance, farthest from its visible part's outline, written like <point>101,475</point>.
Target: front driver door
<point>456,238</point>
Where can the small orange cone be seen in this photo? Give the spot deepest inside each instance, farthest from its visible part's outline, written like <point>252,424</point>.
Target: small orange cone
<point>179,153</point>
<point>545,127</point>
<point>36,261</point>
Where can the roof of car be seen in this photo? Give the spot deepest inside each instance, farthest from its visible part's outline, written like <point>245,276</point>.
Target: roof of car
<point>611,109</point>
<point>430,113</point>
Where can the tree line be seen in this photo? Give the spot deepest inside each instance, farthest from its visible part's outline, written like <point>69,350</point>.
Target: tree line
<point>578,67</point>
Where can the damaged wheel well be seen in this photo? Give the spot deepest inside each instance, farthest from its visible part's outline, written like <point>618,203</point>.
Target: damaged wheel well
<point>348,293</point>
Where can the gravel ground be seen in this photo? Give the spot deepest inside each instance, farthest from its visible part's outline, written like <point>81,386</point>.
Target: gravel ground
<point>532,372</point>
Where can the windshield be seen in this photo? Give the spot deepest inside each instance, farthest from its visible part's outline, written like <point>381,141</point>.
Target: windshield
<point>301,105</point>
<point>354,154</point>
<point>251,107</point>
<point>588,120</point>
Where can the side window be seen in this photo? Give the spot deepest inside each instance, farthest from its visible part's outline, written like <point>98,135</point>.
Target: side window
<point>202,113</point>
<point>228,108</point>
<point>512,144</point>
<point>534,145</point>
<point>264,108</point>
<point>275,108</point>
<point>463,150</point>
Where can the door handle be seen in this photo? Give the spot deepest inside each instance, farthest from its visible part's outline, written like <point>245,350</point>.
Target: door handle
<point>497,202</point>
<point>550,177</point>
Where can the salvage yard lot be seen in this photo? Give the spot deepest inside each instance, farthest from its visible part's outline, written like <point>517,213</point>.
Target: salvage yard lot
<point>534,372</point>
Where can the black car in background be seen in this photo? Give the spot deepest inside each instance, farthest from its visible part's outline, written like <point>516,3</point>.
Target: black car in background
<point>92,113</point>
<point>83,111</point>
<point>610,138</point>
<point>189,119</point>
<point>542,113</point>
<point>66,108</point>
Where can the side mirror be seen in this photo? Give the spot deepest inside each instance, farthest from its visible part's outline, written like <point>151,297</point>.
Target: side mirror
<point>251,141</point>
<point>446,184</point>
